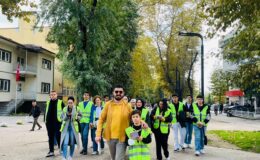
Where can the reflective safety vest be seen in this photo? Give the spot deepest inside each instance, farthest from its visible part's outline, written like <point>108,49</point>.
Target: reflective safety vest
<point>200,115</point>
<point>59,109</point>
<point>173,110</point>
<point>145,111</point>
<point>75,123</point>
<point>138,151</point>
<point>85,111</point>
<point>164,126</point>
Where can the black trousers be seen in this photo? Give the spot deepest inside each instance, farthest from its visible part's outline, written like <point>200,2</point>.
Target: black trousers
<point>161,143</point>
<point>53,131</point>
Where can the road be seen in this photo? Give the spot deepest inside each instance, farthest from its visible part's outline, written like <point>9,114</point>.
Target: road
<point>18,143</point>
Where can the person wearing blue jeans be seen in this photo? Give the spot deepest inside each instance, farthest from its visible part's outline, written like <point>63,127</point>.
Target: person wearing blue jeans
<point>200,117</point>
<point>85,108</point>
<point>188,109</point>
<point>96,111</point>
<point>69,129</point>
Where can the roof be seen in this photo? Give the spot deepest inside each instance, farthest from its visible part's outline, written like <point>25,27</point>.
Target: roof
<point>235,93</point>
<point>29,47</point>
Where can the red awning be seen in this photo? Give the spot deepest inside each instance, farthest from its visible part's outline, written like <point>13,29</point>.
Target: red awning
<point>235,93</point>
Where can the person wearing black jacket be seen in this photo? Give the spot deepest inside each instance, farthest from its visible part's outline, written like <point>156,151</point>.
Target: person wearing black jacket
<point>161,117</point>
<point>140,105</point>
<point>200,117</point>
<point>188,109</point>
<point>35,112</point>
<point>53,120</point>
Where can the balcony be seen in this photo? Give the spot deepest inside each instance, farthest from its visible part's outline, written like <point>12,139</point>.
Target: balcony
<point>26,69</point>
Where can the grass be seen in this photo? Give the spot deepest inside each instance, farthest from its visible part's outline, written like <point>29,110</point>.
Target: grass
<point>246,140</point>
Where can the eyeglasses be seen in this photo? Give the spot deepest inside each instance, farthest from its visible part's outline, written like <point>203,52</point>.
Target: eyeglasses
<point>120,92</point>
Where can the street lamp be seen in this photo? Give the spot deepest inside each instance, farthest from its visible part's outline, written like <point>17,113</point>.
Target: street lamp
<point>191,34</point>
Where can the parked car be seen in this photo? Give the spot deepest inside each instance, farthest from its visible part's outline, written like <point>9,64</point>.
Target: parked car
<point>231,109</point>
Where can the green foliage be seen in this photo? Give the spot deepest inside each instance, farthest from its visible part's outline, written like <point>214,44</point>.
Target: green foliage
<point>12,8</point>
<point>220,81</point>
<point>95,39</point>
<point>243,16</point>
<point>246,140</point>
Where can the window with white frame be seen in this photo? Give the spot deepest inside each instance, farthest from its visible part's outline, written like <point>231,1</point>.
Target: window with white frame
<point>5,56</point>
<point>45,88</point>
<point>4,85</point>
<point>46,64</point>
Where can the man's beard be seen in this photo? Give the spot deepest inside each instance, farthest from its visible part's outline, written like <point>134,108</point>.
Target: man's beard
<point>118,98</point>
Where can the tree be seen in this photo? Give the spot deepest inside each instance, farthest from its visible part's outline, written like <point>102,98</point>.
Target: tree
<point>220,83</point>
<point>243,48</point>
<point>163,20</point>
<point>13,8</point>
<point>143,74</point>
<point>95,39</point>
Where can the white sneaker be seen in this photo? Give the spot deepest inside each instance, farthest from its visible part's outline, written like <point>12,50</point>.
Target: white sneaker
<point>63,158</point>
<point>189,146</point>
<point>168,158</point>
<point>185,145</point>
<point>197,153</point>
<point>94,153</point>
<point>202,151</point>
<point>69,158</point>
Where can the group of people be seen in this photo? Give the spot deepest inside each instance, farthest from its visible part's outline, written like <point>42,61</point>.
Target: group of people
<point>124,124</point>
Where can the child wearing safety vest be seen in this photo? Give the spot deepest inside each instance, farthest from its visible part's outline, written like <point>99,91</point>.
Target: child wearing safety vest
<point>138,138</point>
<point>161,117</point>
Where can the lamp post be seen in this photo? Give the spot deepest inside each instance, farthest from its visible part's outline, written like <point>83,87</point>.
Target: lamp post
<point>191,34</point>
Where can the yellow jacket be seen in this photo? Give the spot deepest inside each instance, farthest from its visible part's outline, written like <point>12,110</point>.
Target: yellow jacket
<point>117,116</point>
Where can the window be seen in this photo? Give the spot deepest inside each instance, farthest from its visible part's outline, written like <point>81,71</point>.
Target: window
<point>4,85</point>
<point>45,87</point>
<point>46,64</point>
<point>20,61</point>
<point>5,56</point>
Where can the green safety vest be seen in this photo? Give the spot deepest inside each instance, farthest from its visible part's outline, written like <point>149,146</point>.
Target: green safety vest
<point>85,111</point>
<point>164,127</point>
<point>59,109</point>
<point>75,123</point>
<point>138,151</point>
<point>145,111</point>
<point>200,115</point>
<point>173,110</point>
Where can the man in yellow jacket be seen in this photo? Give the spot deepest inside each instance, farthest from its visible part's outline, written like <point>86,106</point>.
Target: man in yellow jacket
<point>116,114</point>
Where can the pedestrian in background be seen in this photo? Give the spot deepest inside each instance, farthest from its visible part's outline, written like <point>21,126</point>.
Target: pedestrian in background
<point>35,112</point>
<point>188,109</point>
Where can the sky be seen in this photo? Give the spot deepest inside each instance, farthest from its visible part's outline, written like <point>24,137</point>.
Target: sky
<point>210,61</point>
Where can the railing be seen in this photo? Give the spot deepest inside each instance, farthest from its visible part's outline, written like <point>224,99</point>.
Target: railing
<point>245,114</point>
<point>26,95</point>
<point>26,68</point>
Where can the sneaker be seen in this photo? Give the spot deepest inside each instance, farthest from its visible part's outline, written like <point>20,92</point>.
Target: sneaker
<point>202,151</point>
<point>50,154</point>
<point>197,153</point>
<point>177,150</point>
<point>185,145</point>
<point>63,158</point>
<point>69,158</point>
<point>168,158</point>
<point>189,146</point>
<point>32,130</point>
<point>83,152</point>
<point>39,127</point>
<point>94,153</point>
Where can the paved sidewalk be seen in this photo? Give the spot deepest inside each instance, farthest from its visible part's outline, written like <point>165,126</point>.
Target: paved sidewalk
<point>18,143</point>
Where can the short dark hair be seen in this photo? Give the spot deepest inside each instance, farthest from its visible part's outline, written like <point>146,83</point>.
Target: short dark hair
<point>106,96</point>
<point>118,86</point>
<point>87,93</point>
<point>71,98</point>
<point>189,95</point>
<point>200,96</point>
<point>34,100</point>
<point>136,112</point>
<point>175,95</point>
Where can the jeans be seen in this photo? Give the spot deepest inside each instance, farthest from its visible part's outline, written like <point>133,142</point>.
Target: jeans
<point>176,129</point>
<point>199,137</point>
<point>95,145</point>
<point>84,135</point>
<point>117,149</point>
<point>68,140</point>
<point>189,128</point>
